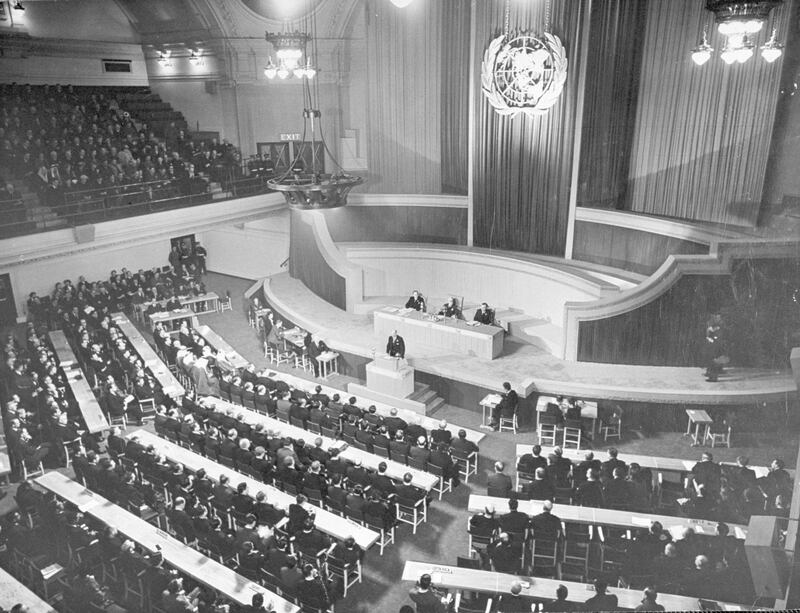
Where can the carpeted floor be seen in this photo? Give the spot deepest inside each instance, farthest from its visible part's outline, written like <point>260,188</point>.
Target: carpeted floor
<point>444,536</point>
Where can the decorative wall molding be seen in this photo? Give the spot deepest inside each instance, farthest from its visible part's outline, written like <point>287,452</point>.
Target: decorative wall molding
<point>684,230</point>
<point>421,200</point>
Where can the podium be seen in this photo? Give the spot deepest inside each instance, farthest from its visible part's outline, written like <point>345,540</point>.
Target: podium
<point>390,376</point>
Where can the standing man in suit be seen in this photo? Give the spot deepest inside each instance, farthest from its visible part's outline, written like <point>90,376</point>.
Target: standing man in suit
<point>396,346</point>
<point>416,301</point>
<point>484,315</point>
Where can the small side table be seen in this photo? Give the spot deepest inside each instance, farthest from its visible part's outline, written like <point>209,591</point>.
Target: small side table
<point>699,418</point>
<point>328,364</point>
<point>489,402</point>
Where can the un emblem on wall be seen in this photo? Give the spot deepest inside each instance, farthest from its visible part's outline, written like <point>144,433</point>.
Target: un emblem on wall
<point>523,73</point>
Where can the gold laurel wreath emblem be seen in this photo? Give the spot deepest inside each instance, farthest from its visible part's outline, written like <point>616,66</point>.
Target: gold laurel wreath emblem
<point>551,93</point>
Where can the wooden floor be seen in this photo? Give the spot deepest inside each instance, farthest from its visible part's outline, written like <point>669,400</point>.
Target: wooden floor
<point>528,367</point>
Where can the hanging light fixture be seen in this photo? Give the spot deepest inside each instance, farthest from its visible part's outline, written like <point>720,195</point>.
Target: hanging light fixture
<point>304,184</point>
<point>194,59</point>
<point>290,46</point>
<point>163,59</point>
<point>739,22</point>
<point>702,53</point>
<point>401,4</point>
<point>772,49</point>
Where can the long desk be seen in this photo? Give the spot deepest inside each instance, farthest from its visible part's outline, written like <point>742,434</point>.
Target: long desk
<point>395,470</point>
<point>661,464</point>
<point>14,592</point>
<point>382,408</point>
<point>169,384</point>
<point>173,319</point>
<point>539,588</point>
<point>87,402</point>
<point>607,517</point>
<point>456,336</point>
<point>218,344</point>
<point>209,301</point>
<point>187,560</point>
<point>329,523</point>
<point>236,359</point>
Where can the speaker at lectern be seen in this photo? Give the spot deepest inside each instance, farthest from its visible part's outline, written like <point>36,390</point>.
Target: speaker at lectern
<point>388,362</point>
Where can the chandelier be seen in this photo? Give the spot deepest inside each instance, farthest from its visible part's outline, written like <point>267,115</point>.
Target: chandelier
<point>304,184</point>
<point>739,23</point>
<point>290,47</point>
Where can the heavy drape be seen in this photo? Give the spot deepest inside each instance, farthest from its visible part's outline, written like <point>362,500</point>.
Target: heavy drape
<point>455,95</point>
<point>522,165</point>
<point>609,111</point>
<point>404,48</point>
<point>702,132</point>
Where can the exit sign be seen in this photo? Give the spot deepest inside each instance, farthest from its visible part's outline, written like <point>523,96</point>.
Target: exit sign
<point>290,136</point>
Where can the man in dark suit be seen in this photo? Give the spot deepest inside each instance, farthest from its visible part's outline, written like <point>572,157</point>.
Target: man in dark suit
<point>484,315</point>
<point>416,301</point>
<point>396,346</point>
<point>498,483</point>
<point>540,488</point>
<point>529,462</point>
<point>607,469</point>
<point>590,493</point>
<point>394,423</point>
<point>546,525</point>
<point>514,520</point>
<point>588,463</point>
<point>506,407</point>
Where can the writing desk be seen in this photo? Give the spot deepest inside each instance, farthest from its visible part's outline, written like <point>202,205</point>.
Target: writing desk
<point>329,523</point>
<point>177,554</point>
<point>661,464</point>
<point>92,413</point>
<point>14,592</point>
<point>606,517</point>
<point>454,335</point>
<point>169,384</point>
<point>538,588</point>
<point>218,344</point>
<point>395,470</point>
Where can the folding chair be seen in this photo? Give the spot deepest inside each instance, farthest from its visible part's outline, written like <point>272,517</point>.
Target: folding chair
<point>467,463</point>
<point>349,573</point>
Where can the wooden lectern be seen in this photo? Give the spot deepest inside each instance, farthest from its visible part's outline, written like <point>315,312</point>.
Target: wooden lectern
<point>390,376</point>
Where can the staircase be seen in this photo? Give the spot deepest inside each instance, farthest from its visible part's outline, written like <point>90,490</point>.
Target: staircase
<point>424,394</point>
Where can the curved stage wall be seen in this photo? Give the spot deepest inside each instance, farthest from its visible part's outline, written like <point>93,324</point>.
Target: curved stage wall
<point>638,243</point>
<point>594,313</point>
<point>400,219</point>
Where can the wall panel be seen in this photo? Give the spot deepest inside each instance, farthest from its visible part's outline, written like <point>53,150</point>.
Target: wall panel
<point>398,224</point>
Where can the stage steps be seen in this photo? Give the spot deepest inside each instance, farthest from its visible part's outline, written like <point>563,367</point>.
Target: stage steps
<point>427,396</point>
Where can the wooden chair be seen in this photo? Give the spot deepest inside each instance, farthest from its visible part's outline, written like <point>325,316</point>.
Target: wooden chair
<point>348,573</point>
<point>612,428</point>
<point>572,434</point>
<point>412,512</point>
<point>225,304</point>
<point>546,430</point>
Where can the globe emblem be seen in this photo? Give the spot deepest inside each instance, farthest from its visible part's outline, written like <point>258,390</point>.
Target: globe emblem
<point>523,73</point>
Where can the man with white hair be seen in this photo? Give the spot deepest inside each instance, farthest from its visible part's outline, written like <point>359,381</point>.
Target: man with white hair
<point>442,434</point>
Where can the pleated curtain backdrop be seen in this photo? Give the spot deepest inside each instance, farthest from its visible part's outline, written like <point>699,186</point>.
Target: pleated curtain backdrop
<point>455,95</point>
<point>522,165</point>
<point>609,111</point>
<point>404,49</point>
<point>702,132</point>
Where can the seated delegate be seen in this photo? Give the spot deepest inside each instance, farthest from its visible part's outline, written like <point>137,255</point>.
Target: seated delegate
<point>416,301</point>
<point>450,308</point>
<point>484,315</point>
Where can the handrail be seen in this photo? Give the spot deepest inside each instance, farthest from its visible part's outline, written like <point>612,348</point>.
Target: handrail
<point>135,187</point>
<point>107,208</point>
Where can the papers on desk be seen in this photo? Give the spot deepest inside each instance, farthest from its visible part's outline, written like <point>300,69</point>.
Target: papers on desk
<point>403,311</point>
<point>473,323</point>
<point>493,399</point>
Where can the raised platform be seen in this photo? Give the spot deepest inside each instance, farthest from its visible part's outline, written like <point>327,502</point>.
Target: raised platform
<point>529,368</point>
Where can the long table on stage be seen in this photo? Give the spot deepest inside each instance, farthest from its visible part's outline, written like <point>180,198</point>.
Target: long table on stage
<point>187,560</point>
<point>454,335</point>
<point>329,523</point>
<point>539,588</point>
<point>169,384</point>
<point>608,517</point>
<point>87,403</point>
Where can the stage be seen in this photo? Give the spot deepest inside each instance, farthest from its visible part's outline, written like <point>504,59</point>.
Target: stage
<point>460,379</point>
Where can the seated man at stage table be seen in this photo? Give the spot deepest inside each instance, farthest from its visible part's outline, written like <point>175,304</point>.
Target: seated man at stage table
<point>396,346</point>
<point>484,315</point>
<point>506,407</point>
<point>450,308</point>
<point>416,301</point>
